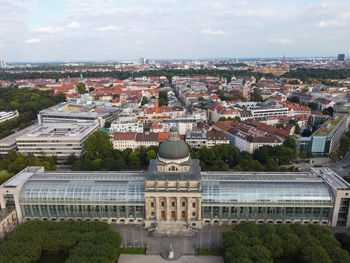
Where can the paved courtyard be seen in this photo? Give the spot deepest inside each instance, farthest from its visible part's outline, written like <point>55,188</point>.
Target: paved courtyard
<point>137,236</point>
<point>158,259</point>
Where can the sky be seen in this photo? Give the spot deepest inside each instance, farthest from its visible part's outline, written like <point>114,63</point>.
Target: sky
<point>100,30</point>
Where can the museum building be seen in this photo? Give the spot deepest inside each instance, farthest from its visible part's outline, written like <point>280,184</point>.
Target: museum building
<point>173,193</point>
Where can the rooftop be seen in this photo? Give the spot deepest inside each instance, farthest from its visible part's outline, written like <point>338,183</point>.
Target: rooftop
<point>327,128</point>
<point>59,130</point>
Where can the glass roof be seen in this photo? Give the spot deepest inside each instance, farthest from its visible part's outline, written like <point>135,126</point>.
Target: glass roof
<point>265,192</point>
<point>90,192</point>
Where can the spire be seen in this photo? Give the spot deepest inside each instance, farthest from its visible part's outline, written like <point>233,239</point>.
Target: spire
<point>81,79</point>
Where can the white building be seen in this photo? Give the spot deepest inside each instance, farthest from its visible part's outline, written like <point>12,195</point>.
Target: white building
<point>196,139</point>
<point>56,139</point>
<point>133,140</point>
<point>246,142</point>
<point>2,63</point>
<point>269,112</point>
<point>182,125</point>
<point>8,115</point>
<point>126,127</point>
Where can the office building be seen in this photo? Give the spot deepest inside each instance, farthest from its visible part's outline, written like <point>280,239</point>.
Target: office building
<point>56,139</point>
<point>341,57</point>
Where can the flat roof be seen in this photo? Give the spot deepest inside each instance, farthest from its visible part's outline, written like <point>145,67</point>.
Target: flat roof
<point>106,176</point>
<point>261,176</point>
<point>12,138</point>
<point>59,130</point>
<point>328,127</point>
<point>21,177</point>
<point>331,178</point>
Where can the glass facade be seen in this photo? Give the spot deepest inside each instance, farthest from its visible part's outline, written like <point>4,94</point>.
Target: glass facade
<point>266,200</point>
<point>265,193</point>
<point>111,199</point>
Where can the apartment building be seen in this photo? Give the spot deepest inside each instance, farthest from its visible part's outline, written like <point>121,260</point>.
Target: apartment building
<point>126,127</point>
<point>196,139</point>
<point>134,140</point>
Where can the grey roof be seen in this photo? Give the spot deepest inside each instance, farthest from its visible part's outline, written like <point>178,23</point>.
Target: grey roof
<point>173,150</point>
<point>193,174</point>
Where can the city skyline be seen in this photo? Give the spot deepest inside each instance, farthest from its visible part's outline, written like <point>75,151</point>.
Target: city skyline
<point>68,30</point>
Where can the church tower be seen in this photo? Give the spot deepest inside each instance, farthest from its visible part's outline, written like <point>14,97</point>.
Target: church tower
<point>173,189</point>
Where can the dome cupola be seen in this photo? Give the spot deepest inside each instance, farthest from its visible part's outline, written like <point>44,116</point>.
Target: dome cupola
<point>173,149</point>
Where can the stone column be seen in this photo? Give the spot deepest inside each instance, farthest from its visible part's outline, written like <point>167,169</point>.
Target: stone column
<point>156,206</point>
<point>189,204</point>
<point>199,209</point>
<point>178,208</point>
<point>168,208</point>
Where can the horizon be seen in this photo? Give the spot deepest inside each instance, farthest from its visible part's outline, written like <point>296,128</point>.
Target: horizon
<point>166,60</point>
<point>110,30</point>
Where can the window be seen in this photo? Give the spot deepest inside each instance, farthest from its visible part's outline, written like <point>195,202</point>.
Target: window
<point>152,204</point>
<point>193,205</point>
<point>173,169</point>
<point>172,203</point>
<point>162,203</point>
<point>183,204</point>
<point>193,214</point>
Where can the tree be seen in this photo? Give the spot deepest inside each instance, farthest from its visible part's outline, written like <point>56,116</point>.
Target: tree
<point>71,159</point>
<point>295,99</point>
<point>144,101</point>
<point>151,154</point>
<point>312,105</point>
<point>81,88</point>
<point>107,125</point>
<point>333,156</point>
<point>98,145</point>
<point>4,176</point>
<point>328,111</point>
<point>256,96</point>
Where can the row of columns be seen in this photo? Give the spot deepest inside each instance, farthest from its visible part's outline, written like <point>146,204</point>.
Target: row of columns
<point>178,208</point>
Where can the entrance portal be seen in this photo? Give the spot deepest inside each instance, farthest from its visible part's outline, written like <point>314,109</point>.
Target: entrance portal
<point>183,214</point>
<point>162,214</point>
<point>172,214</point>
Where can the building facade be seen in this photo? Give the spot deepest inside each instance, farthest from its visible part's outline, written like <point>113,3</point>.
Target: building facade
<point>173,193</point>
<point>56,139</point>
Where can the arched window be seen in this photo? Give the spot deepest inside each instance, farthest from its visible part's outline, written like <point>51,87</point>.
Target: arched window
<point>173,169</point>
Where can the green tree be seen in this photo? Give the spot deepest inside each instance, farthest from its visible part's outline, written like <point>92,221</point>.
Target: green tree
<point>81,88</point>
<point>98,145</point>
<point>151,154</point>
<point>144,101</point>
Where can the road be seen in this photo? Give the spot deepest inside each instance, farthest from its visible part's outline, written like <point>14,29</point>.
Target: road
<point>337,167</point>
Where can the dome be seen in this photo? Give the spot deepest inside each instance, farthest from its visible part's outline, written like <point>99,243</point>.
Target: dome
<point>173,148</point>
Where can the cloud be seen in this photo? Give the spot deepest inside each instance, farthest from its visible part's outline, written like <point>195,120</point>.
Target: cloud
<point>281,41</point>
<point>108,28</point>
<point>208,31</point>
<point>327,23</point>
<point>32,40</point>
<point>74,25</point>
<point>48,30</point>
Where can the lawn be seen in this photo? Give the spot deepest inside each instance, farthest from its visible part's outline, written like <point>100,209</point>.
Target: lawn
<point>210,252</point>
